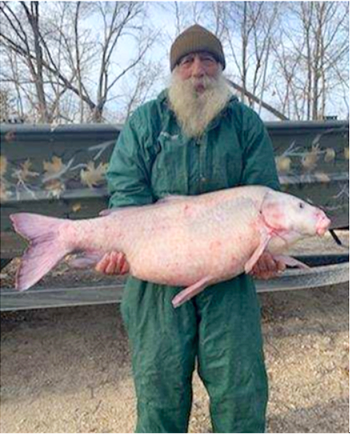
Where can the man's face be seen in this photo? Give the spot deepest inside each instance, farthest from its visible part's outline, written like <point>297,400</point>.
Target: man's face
<point>197,92</point>
<point>197,66</point>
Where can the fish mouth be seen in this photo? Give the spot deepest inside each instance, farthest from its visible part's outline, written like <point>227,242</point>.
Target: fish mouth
<point>323,224</point>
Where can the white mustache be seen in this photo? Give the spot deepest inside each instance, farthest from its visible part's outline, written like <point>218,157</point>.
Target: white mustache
<point>205,81</point>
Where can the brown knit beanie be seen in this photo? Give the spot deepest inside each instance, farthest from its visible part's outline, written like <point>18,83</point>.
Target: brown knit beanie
<point>196,38</point>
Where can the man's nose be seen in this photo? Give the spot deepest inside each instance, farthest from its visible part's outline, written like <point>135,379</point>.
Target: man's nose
<point>197,68</point>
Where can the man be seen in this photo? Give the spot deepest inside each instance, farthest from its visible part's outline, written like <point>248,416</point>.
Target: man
<point>196,137</point>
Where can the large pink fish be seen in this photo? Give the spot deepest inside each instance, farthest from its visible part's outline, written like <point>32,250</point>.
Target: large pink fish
<point>190,241</point>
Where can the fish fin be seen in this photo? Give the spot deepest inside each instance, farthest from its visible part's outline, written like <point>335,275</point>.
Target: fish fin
<point>191,291</point>
<point>45,249</point>
<point>257,253</point>
<point>86,260</point>
<point>291,262</point>
<point>110,211</point>
<point>106,212</point>
<point>125,209</point>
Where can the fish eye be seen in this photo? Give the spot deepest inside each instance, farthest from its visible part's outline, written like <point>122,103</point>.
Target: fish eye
<point>301,205</point>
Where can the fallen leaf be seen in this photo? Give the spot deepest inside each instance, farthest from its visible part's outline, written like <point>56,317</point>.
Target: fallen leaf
<point>55,188</point>
<point>57,273</point>
<point>346,370</point>
<point>24,172</point>
<point>283,164</point>
<point>10,136</point>
<point>330,155</point>
<point>54,166</point>
<point>3,165</point>
<point>76,207</point>
<point>322,177</point>
<point>4,193</point>
<point>309,159</point>
<point>93,176</point>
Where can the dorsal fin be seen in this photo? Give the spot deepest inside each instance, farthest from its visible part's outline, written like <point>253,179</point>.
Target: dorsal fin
<point>110,211</point>
<point>105,212</point>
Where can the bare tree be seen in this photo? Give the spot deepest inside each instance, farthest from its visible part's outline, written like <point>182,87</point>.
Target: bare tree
<point>312,56</point>
<point>288,65</point>
<point>247,29</point>
<point>115,19</point>
<point>60,55</point>
<point>14,77</point>
<point>29,45</point>
<point>5,104</point>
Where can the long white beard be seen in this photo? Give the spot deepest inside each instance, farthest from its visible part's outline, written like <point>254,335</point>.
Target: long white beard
<point>194,110</point>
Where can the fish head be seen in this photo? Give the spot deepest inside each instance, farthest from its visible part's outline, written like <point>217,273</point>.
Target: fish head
<point>284,213</point>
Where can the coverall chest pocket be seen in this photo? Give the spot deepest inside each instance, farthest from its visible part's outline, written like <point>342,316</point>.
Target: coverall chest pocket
<point>169,171</point>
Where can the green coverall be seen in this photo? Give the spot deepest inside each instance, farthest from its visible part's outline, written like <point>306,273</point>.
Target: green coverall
<point>219,328</point>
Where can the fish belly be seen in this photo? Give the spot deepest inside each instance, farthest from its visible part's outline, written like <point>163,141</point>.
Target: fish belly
<point>201,241</point>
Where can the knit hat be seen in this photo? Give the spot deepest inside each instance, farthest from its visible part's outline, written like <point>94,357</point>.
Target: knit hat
<point>196,38</point>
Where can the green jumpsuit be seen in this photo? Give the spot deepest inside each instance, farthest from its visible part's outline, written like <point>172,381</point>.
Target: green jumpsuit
<point>219,329</point>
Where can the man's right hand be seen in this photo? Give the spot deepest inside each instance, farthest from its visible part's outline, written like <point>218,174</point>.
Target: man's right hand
<point>113,263</point>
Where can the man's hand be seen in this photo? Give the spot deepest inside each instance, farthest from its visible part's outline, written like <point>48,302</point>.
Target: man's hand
<point>113,263</point>
<point>267,267</point>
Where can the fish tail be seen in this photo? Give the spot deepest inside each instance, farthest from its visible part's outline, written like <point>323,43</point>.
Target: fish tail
<point>45,250</point>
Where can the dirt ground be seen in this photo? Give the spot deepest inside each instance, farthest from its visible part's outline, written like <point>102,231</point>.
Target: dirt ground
<point>69,370</point>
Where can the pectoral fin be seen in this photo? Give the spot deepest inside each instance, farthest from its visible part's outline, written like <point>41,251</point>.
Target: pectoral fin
<point>190,291</point>
<point>258,252</point>
<point>291,262</point>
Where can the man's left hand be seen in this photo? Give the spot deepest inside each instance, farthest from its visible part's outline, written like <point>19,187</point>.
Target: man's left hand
<point>267,267</point>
